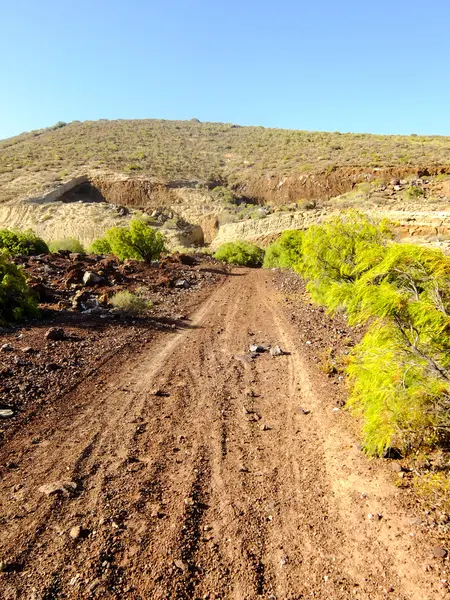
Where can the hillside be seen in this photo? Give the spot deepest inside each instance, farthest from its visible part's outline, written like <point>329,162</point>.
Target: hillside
<point>74,179</point>
<point>207,152</point>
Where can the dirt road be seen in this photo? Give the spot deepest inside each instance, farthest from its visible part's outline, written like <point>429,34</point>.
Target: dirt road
<point>203,473</point>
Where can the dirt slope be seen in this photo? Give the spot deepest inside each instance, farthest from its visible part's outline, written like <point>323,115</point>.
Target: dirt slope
<point>184,494</point>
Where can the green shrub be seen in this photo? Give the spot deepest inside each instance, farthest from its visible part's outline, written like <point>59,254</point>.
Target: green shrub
<point>434,490</point>
<point>71,244</point>
<point>100,246</point>
<point>139,241</point>
<point>133,304</point>
<point>22,242</point>
<point>240,253</point>
<point>415,192</point>
<point>338,252</point>
<point>401,369</point>
<point>17,301</point>
<point>286,252</point>
<point>225,194</point>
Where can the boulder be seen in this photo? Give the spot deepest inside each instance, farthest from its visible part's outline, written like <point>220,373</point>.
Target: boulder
<point>64,488</point>
<point>182,283</point>
<point>91,279</point>
<point>55,334</point>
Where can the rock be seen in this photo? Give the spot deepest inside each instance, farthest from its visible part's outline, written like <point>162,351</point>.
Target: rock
<point>52,367</point>
<point>375,517</point>
<point>65,488</point>
<point>75,532</point>
<point>6,413</point>
<point>302,411</point>
<point>43,293</point>
<point>396,467</point>
<point>6,348</point>
<point>185,259</point>
<point>79,299</point>
<point>180,565</point>
<point>90,279</point>
<point>55,334</point>
<point>392,453</point>
<point>439,552</point>
<point>264,427</point>
<point>257,348</point>
<point>122,211</point>
<point>160,393</point>
<point>276,351</point>
<point>90,303</point>
<point>28,350</point>
<point>182,283</point>
<point>253,417</point>
<point>156,511</point>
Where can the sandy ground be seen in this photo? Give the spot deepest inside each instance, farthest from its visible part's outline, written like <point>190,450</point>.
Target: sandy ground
<point>191,470</point>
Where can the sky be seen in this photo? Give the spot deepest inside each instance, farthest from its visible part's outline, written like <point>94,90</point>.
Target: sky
<point>329,65</point>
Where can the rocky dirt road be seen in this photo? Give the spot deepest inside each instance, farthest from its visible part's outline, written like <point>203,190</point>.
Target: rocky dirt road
<point>196,471</point>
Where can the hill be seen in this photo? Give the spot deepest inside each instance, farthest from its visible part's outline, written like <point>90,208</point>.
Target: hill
<point>73,178</point>
<point>208,152</point>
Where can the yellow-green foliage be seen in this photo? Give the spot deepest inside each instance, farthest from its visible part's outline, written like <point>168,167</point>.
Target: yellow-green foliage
<point>400,372</point>
<point>434,489</point>
<point>14,242</point>
<point>70,244</point>
<point>285,252</point>
<point>338,252</point>
<point>17,301</point>
<point>133,304</point>
<point>139,241</point>
<point>240,253</point>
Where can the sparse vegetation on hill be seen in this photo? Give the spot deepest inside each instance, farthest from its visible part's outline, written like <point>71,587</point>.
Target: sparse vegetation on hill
<point>212,153</point>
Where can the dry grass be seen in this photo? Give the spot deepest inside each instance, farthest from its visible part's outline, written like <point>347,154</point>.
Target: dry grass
<point>186,150</point>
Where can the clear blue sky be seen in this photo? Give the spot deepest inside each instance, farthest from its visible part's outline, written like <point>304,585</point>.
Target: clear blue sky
<point>347,65</point>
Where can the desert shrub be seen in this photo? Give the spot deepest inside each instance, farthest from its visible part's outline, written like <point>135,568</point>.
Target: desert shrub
<point>22,242</point>
<point>139,241</point>
<point>401,369</point>
<point>434,490</point>
<point>240,253</point>
<point>133,304</point>
<point>225,194</point>
<point>71,244</point>
<point>304,204</point>
<point>272,255</point>
<point>338,252</point>
<point>284,252</point>
<point>100,246</point>
<point>17,301</point>
<point>415,191</point>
